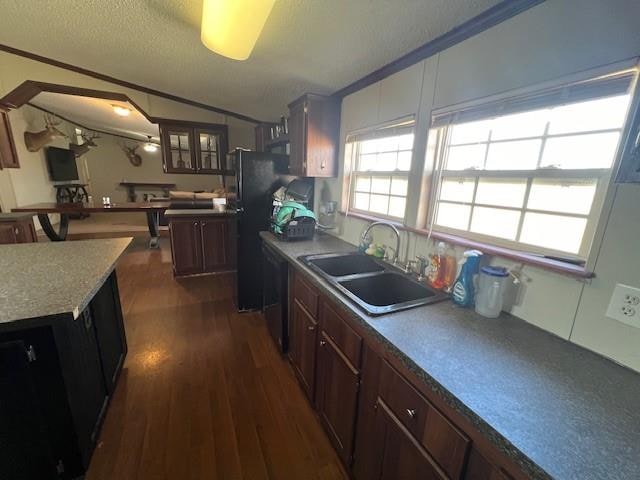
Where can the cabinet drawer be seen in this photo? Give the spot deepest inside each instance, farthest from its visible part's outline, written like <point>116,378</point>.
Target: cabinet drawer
<point>445,443</point>
<point>348,341</point>
<point>306,295</point>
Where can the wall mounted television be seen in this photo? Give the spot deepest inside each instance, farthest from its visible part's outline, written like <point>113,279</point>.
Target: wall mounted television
<point>62,164</point>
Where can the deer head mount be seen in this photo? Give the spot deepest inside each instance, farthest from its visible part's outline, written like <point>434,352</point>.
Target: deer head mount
<point>81,149</point>
<point>130,152</point>
<point>34,141</point>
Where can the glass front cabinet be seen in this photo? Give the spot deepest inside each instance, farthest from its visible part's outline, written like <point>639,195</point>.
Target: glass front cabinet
<point>194,148</point>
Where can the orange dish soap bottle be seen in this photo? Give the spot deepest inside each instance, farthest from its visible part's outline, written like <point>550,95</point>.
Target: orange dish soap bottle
<point>450,268</point>
<point>436,276</point>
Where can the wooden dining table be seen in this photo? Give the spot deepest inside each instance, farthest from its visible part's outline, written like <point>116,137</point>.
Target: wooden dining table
<point>43,210</point>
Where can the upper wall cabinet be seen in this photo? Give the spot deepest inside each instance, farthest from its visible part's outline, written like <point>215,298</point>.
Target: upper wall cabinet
<point>8,154</point>
<point>314,125</point>
<point>193,147</point>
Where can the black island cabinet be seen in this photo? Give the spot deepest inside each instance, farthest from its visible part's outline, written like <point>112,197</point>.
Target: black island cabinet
<point>57,376</point>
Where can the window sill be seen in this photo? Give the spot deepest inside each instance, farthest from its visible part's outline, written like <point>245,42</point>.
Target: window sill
<point>544,263</point>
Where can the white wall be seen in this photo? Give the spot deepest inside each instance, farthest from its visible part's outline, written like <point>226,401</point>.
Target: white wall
<point>554,39</point>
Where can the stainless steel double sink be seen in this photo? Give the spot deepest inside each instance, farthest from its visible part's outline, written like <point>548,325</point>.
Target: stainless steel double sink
<point>373,285</point>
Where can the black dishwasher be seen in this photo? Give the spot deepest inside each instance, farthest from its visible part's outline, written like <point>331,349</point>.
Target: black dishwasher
<point>276,296</point>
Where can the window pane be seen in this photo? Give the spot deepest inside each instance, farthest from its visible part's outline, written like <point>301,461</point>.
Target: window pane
<point>470,156</point>
<point>399,186</point>
<point>397,206</point>
<point>591,115</point>
<point>495,222</point>
<point>404,161</point>
<point>470,132</point>
<point>367,162</point>
<point>503,193</point>
<point>553,231</point>
<point>453,216</point>
<point>528,124</point>
<point>363,184</point>
<point>562,196</point>
<point>380,185</point>
<point>388,144</point>
<point>405,142</point>
<point>369,146</point>
<point>457,189</point>
<point>361,201</point>
<point>519,155</point>
<point>581,151</point>
<point>386,162</point>
<point>379,204</point>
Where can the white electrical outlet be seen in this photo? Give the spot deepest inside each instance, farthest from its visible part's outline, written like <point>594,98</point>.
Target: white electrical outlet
<point>625,305</point>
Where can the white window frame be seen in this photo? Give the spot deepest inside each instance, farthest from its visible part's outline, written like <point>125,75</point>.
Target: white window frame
<point>604,177</point>
<point>352,156</point>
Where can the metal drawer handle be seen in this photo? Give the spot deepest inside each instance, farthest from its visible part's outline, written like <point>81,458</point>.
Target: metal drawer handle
<point>411,412</point>
<point>322,343</point>
<point>311,328</point>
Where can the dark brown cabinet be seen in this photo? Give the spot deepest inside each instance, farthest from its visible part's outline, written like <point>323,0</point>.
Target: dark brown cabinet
<point>193,147</point>
<point>338,382</point>
<point>202,244</point>
<point>8,154</point>
<point>400,456</point>
<point>217,248</point>
<point>380,423</point>
<point>186,246</point>
<point>314,125</point>
<point>302,347</point>
<point>17,228</point>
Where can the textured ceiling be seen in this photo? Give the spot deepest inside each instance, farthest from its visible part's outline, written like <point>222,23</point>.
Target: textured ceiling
<point>306,45</point>
<point>97,113</point>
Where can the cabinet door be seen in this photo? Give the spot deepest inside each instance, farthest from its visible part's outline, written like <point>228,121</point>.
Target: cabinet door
<point>366,458</point>
<point>298,139</point>
<point>85,383</point>
<point>303,334</point>
<point>337,396</point>
<point>401,457</point>
<point>322,132</point>
<point>8,154</point>
<point>215,245</point>
<point>25,455</point>
<point>107,319</point>
<point>8,233</point>
<point>211,149</point>
<point>26,232</point>
<point>186,246</point>
<point>178,153</point>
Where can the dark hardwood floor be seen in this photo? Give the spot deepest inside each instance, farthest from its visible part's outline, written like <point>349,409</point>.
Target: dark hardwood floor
<point>204,393</point>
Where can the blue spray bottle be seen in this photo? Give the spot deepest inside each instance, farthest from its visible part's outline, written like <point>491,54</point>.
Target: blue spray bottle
<point>463,292</point>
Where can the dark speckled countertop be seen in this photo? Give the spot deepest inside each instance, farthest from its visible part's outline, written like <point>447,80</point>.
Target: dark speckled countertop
<point>556,409</point>
<point>49,278</point>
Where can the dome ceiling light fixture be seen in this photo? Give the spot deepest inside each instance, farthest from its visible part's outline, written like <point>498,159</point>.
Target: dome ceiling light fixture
<point>150,146</point>
<point>120,110</point>
<point>232,27</point>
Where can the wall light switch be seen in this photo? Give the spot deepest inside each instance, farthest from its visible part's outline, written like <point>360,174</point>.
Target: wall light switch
<point>625,305</point>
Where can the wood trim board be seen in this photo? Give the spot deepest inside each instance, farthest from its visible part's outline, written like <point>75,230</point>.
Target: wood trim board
<point>478,24</point>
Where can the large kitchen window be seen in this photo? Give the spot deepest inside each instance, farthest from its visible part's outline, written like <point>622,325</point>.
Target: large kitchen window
<point>531,172</point>
<point>379,162</point>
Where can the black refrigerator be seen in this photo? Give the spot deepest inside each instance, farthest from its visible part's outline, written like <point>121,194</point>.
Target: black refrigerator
<point>257,176</point>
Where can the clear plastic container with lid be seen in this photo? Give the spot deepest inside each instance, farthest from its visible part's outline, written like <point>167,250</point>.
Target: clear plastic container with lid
<point>491,285</point>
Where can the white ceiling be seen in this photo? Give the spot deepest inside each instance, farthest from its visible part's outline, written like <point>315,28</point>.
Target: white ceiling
<point>97,114</point>
<point>306,46</point>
